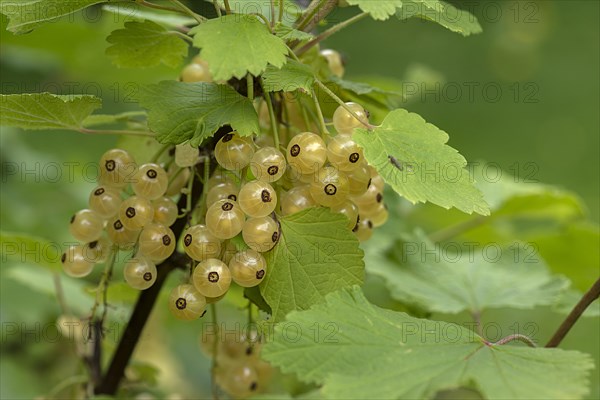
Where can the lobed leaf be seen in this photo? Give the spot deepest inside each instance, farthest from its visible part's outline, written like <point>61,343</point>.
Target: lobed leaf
<point>290,77</point>
<point>442,13</point>
<point>380,9</point>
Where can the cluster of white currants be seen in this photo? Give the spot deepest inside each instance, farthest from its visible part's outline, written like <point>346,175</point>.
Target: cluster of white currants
<point>114,221</point>
<point>240,371</point>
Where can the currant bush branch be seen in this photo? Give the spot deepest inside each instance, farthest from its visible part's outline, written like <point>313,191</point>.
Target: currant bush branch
<point>188,11</point>
<point>511,338</point>
<point>334,29</point>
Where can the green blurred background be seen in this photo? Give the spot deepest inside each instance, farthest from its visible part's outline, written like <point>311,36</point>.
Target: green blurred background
<point>533,110</point>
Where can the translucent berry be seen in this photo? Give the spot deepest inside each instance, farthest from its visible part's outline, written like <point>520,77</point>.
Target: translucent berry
<point>140,272</point>
<point>297,199</point>
<point>150,182</point>
<point>136,212</point>
<point>248,268</point>
<point>75,262</point>
<point>156,242</point>
<point>165,211</point>
<point>222,191</point>
<point>117,168</point>
<point>330,188</point>
<point>379,216</point>
<point>186,303</point>
<point>234,152</point>
<point>344,122</point>
<point>261,234</point>
<point>257,199</point>
<point>105,201</point>
<point>344,153</point>
<point>117,233</point>
<point>220,176</point>
<point>212,278</point>
<point>225,219</point>
<point>363,229</point>
<point>186,155</point>
<point>349,210</point>
<point>200,244</point>
<point>195,72</point>
<point>98,250</point>
<point>86,225</point>
<point>334,61</point>
<point>378,182</point>
<point>359,179</point>
<point>306,153</point>
<point>239,380</point>
<point>370,198</point>
<point>268,164</point>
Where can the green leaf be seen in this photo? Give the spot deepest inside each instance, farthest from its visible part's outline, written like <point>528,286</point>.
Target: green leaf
<point>316,254</point>
<point>568,300</point>
<point>179,111</point>
<point>25,15</point>
<point>288,33</point>
<point>145,44</point>
<point>359,351</point>
<point>439,278</point>
<point>234,45</point>
<point>360,88</point>
<point>29,249</point>
<point>379,10</point>
<point>109,119</point>
<point>135,12</point>
<point>253,294</point>
<point>445,14</point>
<point>431,170</point>
<point>46,110</point>
<point>292,76</point>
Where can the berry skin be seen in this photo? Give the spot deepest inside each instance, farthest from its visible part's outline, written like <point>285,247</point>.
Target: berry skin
<point>165,211</point>
<point>349,210</point>
<point>221,191</point>
<point>117,168</point>
<point>330,188</point>
<point>268,164</point>
<point>220,176</point>
<point>344,153</point>
<point>98,250</point>
<point>86,225</point>
<point>261,234</point>
<point>200,244</point>
<point>136,212</point>
<point>248,268</point>
<point>370,198</point>
<point>156,242</point>
<point>257,199</point>
<point>377,181</point>
<point>297,199</point>
<point>306,153</point>
<point>238,380</point>
<point>212,278</point>
<point>186,155</point>
<point>195,72</point>
<point>335,62</point>
<point>120,235</point>
<point>234,152</point>
<point>186,303</point>
<point>105,201</point>
<point>150,181</point>
<point>176,183</point>
<point>359,180</point>
<point>380,216</point>
<point>140,273</point>
<point>363,229</point>
<point>225,219</point>
<point>75,262</point>
<point>344,122</point>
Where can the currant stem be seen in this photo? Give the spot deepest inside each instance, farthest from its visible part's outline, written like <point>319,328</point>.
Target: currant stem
<point>341,103</point>
<point>157,6</point>
<point>160,152</point>
<point>227,7</point>
<point>280,18</point>
<point>309,13</point>
<point>274,122</point>
<point>272,3</point>
<point>334,29</point>
<point>322,12</point>
<point>588,298</point>
<point>189,12</point>
<point>265,20</point>
<point>103,284</point>
<point>510,338</point>
<point>324,130</point>
<point>183,36</point>
<point>215,388</point>
<point>250,86</point>
<point>217,8</point>
<point>60,295</point>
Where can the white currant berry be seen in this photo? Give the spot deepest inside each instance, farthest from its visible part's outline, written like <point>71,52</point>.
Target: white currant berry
<point>239,380</point>
<point>86,225</point>
<point>121,236</point>
<point>75,262</point>
<point>186,155</point>
<point>200,244</point>
<point>195,72</point>
<point>378,182</point>
<point>370,199</point>
<point>363,229</point>
<point>268,164</point>
<point>105,201</point>
<point>136,212</point>
<point>261,234</point>
<point>257,199</point>
<point>345,122</point>
<point>186,303</point>
<point>234,152</point>
<point>165,211</point>
<point>156,242</point>
<point>330,188</point>
<point>248,268</point>
<point>220,176</point>
<point>117,168</point>
<point>140,272</point>
<point>212,278</point>
<point>98,250</point>
<point>306,153</point>
<point>379,216</point>
<point>334,61</point>
<point>150,181</point>
<point>297,199</point>
<point>349,210</point>
<point>225,219</point>
<point>359,179</point>
<point>344,153</point>
<point>222,191</point>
